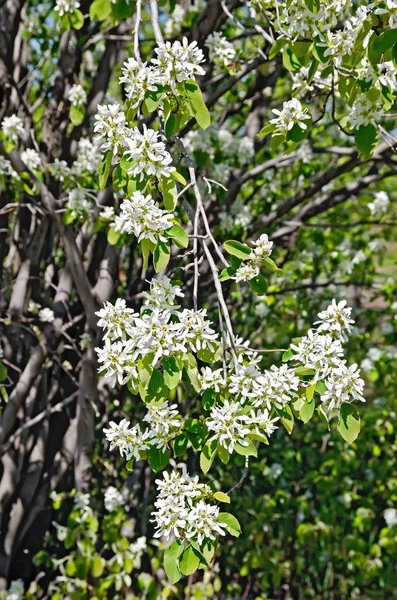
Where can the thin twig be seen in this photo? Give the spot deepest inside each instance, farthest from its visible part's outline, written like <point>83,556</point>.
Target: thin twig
<point>155,22</point>
<point>136,31</point>
<point>242,478</point>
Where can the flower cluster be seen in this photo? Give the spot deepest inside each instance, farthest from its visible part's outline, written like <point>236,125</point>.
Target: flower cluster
<point>250,268</point>
<point>12,127</point>
<point>181,509</point>
<point>31,158</point>
<point>291,114</point>
<point>221,51</point>
<point>149,155</point>
<point>113,499</point>
<point>380,204</point>
<point>141,216</point>
<point>78,204</point>
<point>16,591</point>
<point>64,7</point>
<point>77,95</point>
<point>178,62</point>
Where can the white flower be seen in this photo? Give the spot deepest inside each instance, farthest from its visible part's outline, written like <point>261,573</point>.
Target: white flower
<point>227,142</point>
<point>135,551</point>
<point>246,150</point>
<point>119,362</point>
<point>221,51</point>
<point>16,591</point>
<point>77,95</point>
<point>5,166</point>
<point>367,365</point>
<point>262,420</point>
<point>178,62</point>
<point>390,516</point>
<point>174,21</point>
<point>380,204</point>
<point>277,387</point>
<point>113,499</point>
<point>163,420</point>
<point>31,158</point>
<point>130,441</point>
<point>149,155</point>
<point>344,385</point>
<point>78,204</point>
<point>364,112</point>
<point>46,315</point>
<point>212,379</point>
<point>263,248</point>
<point>111,124</point>
<point>139,79</point>
<point>59,169</point>
<point>336,320</point>
<point>141,216</point>
<point>291,114</point>
<point>203,522</point>
<point>246,271</point>
<point>196,331</point>
<point>12,127</point>
<point>228,425</point>
<point>317,351</point>
<point>245,382</point>
<point>117,319</point>
<point>88,157</point>
<point>107,213</point>
<point>64,7</point>
<point>162,295</point>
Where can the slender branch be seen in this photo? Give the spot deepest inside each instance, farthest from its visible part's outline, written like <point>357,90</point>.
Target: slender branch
<point>155,22</point>
<point>136,31</point>
<point>242,478</point>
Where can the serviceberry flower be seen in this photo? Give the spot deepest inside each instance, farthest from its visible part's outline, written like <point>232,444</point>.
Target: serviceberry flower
<point>291,114</point>
<point>79,205</point>
<point>221,51</point>
<point>130,441</point>
<point>116,319</point>
<point>246,271</point>
<point>149,155</point>
<point>197,331</point>
<point>178,62</point>
<point>113,499</point>
<point>111,124</point>
<point>162,295</point>
<point>344,384</point>
<point>64,7</point>
<point>212,379</point>
<point>227,423</point>
<point>261,420</point>
<point>138,80</point>
<point>336,320</point>
<point>320,352</point>
<point>77,95</point>
<point>364,112</point>
<point>12,127</point>
<point>203,522</point>
<point>31,158</point>
<point>276,387</point>
<point>380,204</point>
<point>46,315</point>
<point>141,216</point>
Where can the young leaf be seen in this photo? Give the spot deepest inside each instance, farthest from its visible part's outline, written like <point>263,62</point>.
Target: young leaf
<point>189,561</point>
<point>226,274</point>
<point>223,454</point>
<point>207,456</point>
<point>77,114</point>
<point>237,249</point>
<point>180,444</point>
<point>113,236</point>
<point>232,525</point>
<point>307,410</point>
<point>104,169</point>
<point>199,109</point>
<point>178,235</point>
<point>248,450</point>
<point>286,417</point>
<point>366,137</point>
<point>161,256</point>
<point>158,459</point>
<point>258,285</point>
<point>221,497</point>
<point>349,423</point>
<point>172,373</point>
<point>171,556</point>
<point>169,192</point>
<point>270,264</point>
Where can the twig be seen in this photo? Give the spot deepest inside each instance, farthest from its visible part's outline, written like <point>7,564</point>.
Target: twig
<point>263,350</point>
<point>155,22</point>
<point>242,478</point>
<point>136,31</point>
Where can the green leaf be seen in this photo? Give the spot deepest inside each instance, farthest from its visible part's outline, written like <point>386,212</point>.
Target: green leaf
<point>286,417</point>
<point>100,9</point>
<point>209,399</point>
<point>172,373</point>
<point>171,556</point>
<point>161,256</point>
<point>270,264</point>
<point>77,114</point>
<point>152,101</point>
<point>226,274</point>
<point>104,169</point>
<point>237,249</point>
<point>209,356</point>
<point>290,61</point>
<point>249,450</point>
<point>97,566</point>
<point>258,285</point>
<point>199,110</point>
<point>310,392</point>
<point>170,125</point>
<point>196,432</point>
<point>180,444</point>
<point>277,46</point>
<point>394,55</point>
<point>158,459</point>
<point>178,235</point>
<point>321,388</point>
<point>366,137</point>
<point>304,371</point>
<point>189,561</point>
<point>3,372</point>
<point>307,410</point>
<point>232,525</point>
<point>349,423</point>
<point>156,390</point>
<point>386,40</point>
<point>113,236</point>
<point>266,130</point>
<point>169,193</point>
<point>190,365</point>
<point>287,355</point>
<point>207,456</point>
<point>222,497</point>
<point>223,454</point>
<point>296,134</point>
<point>76,19</point>
<point>178,177</point>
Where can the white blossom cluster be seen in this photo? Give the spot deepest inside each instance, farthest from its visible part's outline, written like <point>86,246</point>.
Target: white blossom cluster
<point>64,7</point>
<point>6,167</point>
<point>221,51</point>
<point>12,127</point>
<point>78,204</point>
<point>113,499</point>
<point>153,333</point>
<point>380,204</point>
<point>251,267</point>
<point>82,505</point>
<point>16,591</point>
<point>291,114</point>
<point>321,351</point>
<point>88,157</point>
<point>31,158</point>
<point>181,509</point>
<point>77,95</point>
<point>142,216</point>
